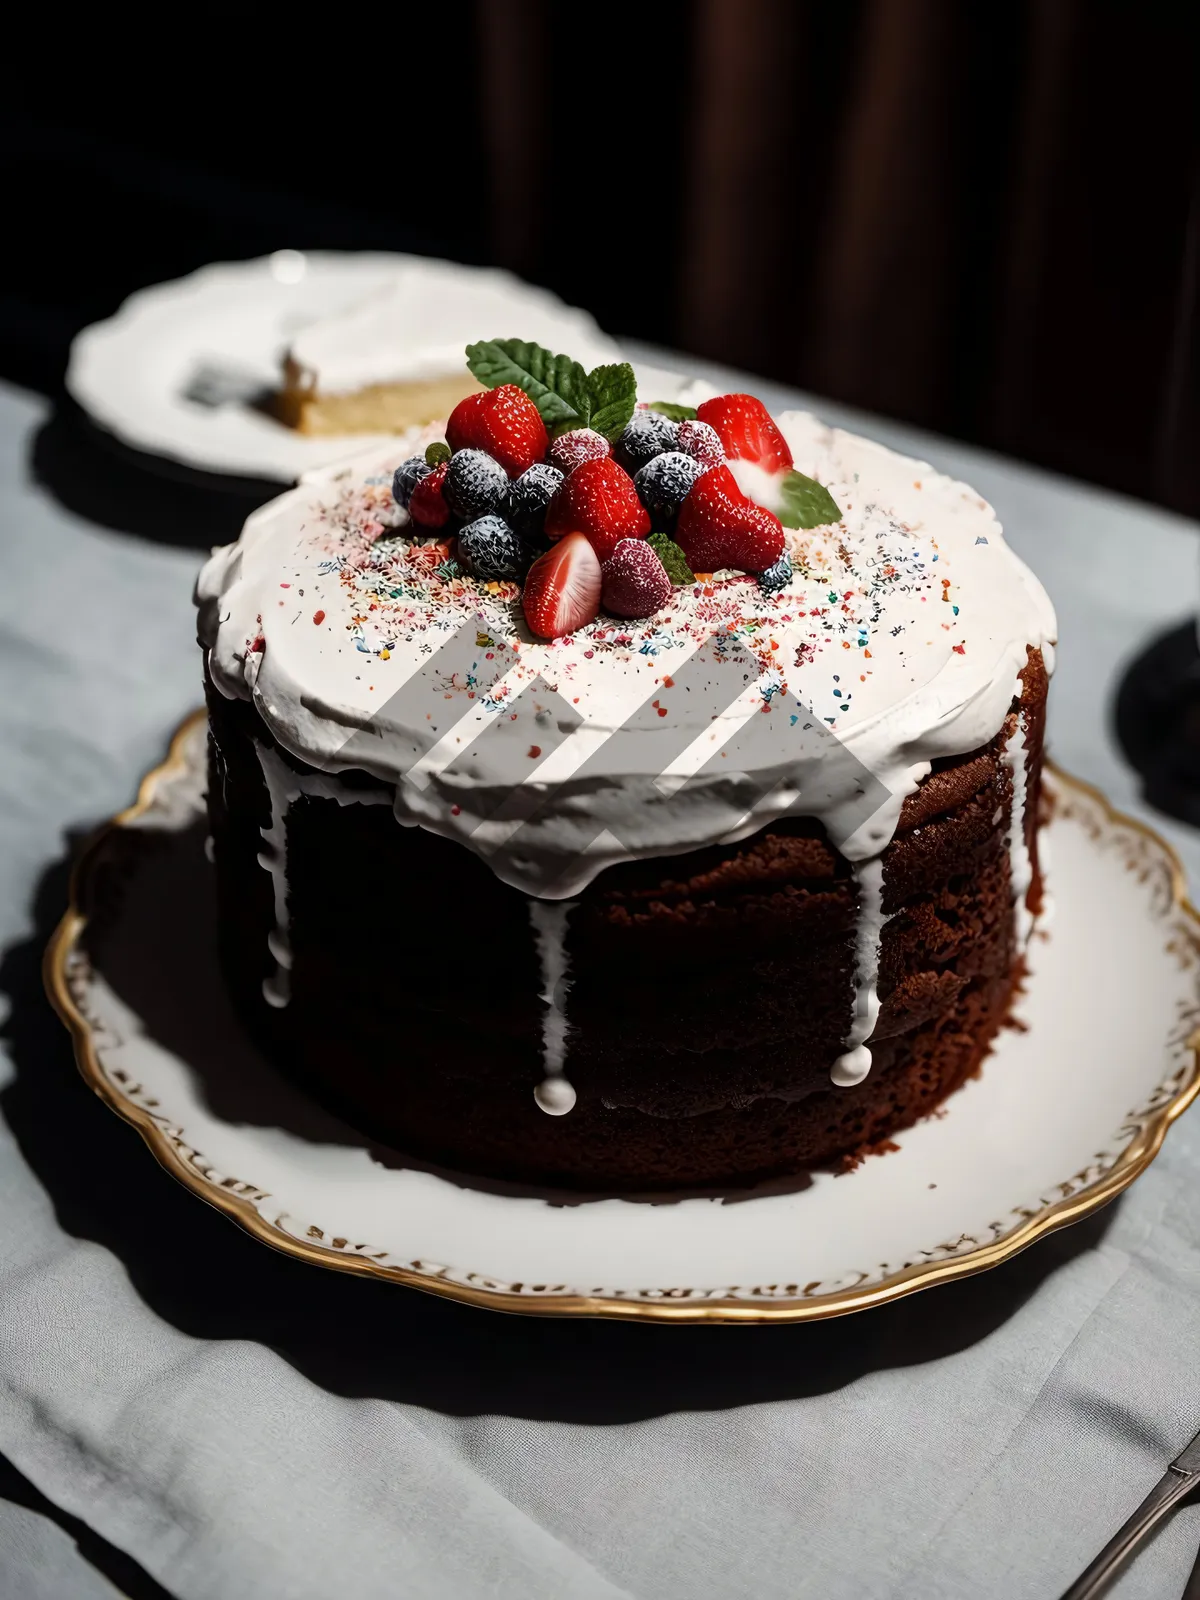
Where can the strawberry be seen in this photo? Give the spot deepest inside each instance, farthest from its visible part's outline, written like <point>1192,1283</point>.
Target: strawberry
<point>635,581</point>
<point>718,527</point>
<point>747,431</point>
<point>511,429</point>
<point>562,588</point>
<point>462,425</point>
<point>598,499</point>
<point>428,507</point>
<point>504,422</point>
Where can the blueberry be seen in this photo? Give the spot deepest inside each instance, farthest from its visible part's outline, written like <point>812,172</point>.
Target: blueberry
<point>474,483</point>
<point>489,548</point>
<point>407,476</point>
<point>777,576</point>
<point>647,435</point>
<point>663,483</point>
<point>528,496</point>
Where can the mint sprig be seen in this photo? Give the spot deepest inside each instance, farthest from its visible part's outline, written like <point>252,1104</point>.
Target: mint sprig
<point>672,558</point>
<point>805,503</point>
<point>677,413</point>
<point>566,396</point>
<point>612,392</point>
<point>556,384</point>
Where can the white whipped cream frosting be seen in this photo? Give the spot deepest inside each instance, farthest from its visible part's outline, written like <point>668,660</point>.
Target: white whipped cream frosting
<point>903,631</point>
<point>417,324</point>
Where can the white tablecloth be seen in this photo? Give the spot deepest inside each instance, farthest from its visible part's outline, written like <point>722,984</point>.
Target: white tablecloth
<point>252,1426</point>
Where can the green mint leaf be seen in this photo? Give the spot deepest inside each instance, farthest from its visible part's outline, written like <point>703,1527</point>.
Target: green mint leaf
<point>672,558</point>
<point>668,408</point>
<point>557,385</point>
<point>613,392</point>
<point>805,503</point>
<point>437,452</point>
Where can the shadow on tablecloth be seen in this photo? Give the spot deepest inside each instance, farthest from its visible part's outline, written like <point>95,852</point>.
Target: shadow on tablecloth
<point>359,1338</point>
<point>96,477</point>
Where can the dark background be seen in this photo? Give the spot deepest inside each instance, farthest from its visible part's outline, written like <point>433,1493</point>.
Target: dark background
<point>981,217</point>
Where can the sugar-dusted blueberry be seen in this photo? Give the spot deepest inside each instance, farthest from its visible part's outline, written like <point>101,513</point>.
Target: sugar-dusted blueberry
<point>663,483</point>
<point>475,483</point>
<point>571,450</point>
<point>489,548</point>
<point>701,439</point>
<point>647,435</point>
<point>777,576</point>
<point>406,478</point>
<point>524,505</point>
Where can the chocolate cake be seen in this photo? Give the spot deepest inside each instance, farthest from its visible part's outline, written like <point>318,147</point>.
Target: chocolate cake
<point>704,896</point>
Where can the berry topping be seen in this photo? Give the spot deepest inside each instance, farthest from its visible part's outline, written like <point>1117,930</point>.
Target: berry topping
<point>663,484</point>
<point>489,548</point>
<point>525,502</point>
<point>474,483</point>
<point>509,427</point>
<point>437,452</point>
<point>427,505</point>
<point>776,577</point>
<point>635,581</point>
<point>462,426</point>
<point>718,527</point>
<point>407,476</point>
<point>598,499</point>
<point>562,588</point>
<point>646,435</point>
<point>572,449</point>
<point>747,431</point>
<point>701,440</point>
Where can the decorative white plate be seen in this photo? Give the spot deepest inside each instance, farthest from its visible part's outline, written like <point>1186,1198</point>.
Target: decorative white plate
<point>182,369</point>
<point>1067,1112</point>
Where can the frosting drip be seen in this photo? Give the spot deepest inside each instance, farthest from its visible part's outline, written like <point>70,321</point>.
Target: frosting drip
<point>283,786</point>
<point>1015,757</point>
<point>555,1095</point>
<point>280,782</point>
<point>854,1063</point>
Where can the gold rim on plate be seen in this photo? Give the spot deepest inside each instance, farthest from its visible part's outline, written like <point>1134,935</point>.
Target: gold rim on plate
<point>1129,1164</point>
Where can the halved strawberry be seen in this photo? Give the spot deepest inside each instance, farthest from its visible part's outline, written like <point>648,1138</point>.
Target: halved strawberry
<point>748,431</point>
<point>511,430</point>
<point>719,527</point>
<point>428,507</point>
<point>562,588</point>
<point>462,425</point>
<point>599,500</point>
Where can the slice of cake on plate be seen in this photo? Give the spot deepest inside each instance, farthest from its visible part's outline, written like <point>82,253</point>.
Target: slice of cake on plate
<point>625,797</point>
<point>394,360</point>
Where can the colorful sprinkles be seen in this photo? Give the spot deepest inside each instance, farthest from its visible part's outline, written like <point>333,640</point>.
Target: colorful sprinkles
<point>401,588</point>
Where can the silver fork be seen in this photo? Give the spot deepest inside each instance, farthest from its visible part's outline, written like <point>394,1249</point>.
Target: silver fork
<point>1180,1478</point>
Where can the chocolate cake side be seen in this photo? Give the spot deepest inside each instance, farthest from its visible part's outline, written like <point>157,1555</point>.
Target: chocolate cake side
<point>710,993</point>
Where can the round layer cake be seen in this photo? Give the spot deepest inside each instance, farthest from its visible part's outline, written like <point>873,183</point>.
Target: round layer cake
<point>704,898</point>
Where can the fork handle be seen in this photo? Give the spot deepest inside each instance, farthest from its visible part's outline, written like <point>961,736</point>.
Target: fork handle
<point>1167,1492</point>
